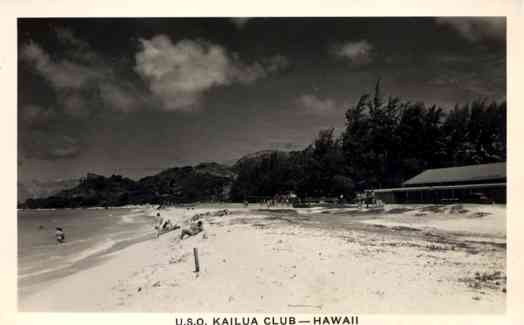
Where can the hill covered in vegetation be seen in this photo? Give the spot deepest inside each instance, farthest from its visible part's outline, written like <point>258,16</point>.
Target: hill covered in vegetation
<point>204,182</point>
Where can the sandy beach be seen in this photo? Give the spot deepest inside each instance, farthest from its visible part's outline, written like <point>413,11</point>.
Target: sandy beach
<point>396,259</point>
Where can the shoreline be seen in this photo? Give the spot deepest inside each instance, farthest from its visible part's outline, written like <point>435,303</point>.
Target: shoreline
<point>94,253</point>
<point>258,260</point>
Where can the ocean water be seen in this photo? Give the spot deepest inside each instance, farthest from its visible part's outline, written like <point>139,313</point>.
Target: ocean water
<point>90,235</point>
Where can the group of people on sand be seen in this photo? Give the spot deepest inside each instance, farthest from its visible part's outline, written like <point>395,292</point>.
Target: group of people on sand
<point>165,225</point>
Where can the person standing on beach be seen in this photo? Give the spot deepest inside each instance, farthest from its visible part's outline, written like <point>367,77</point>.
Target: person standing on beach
<point>60,235</point>
<point>158,224</point>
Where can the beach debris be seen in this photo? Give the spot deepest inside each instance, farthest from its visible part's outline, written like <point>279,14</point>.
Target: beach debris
<point>222,213</point>
<point>156,284</point>
<point>504,290</point>
<point>457,209</point>
<point>479,214</point>
<point>402,228</point>
<point>379,293</point>
<point>174,260</point>
<point>433,247</point>
<point>485,280</point>
<point>433,208</point>
<point>139,289</point>
<point>398,210</point>
<point>476,298</point>
<point>489,276</point>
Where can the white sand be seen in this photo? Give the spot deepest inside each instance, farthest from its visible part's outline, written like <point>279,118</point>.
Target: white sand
<point>272,266</point>
<point>488,220</point>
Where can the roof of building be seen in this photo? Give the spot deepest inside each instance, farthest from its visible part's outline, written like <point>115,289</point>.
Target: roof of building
<point>440,187</point>
<point>471,173</point>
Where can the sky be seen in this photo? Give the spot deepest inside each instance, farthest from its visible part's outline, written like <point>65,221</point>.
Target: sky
<point>134,96</point>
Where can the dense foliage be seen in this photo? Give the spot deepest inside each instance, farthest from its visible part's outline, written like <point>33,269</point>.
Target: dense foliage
<point>386,141</point>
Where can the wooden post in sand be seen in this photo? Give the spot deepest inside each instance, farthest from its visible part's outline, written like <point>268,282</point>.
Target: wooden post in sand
<point>197,265</point>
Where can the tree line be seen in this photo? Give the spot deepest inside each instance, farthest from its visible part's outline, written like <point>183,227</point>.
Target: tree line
<point>385,142</point>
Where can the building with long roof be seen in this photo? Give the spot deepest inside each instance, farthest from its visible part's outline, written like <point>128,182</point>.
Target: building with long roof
<point>485,183</point>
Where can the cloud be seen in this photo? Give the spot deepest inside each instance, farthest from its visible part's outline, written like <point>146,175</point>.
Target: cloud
<point>122,97</point>
<point>314,105</point>
<point>240,22</point>
<point>75,47</point>
<point>180,74</point>
<point>82,80</point>
<point>478,28</point>
<point>359,53</point>
<point>63,74</point>
<point>276,63</point>
<point>83,85</point>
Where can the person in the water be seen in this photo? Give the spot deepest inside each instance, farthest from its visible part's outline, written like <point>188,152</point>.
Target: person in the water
<point>60,235</point>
